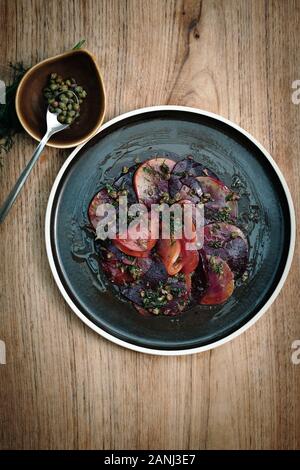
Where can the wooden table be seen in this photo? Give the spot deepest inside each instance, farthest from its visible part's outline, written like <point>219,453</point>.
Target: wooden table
<point>65,387</point>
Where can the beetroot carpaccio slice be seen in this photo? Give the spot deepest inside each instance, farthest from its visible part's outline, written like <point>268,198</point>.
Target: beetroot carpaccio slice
<point>116,272</point>
<point>124,184</point>
<point>183,182</point>
<point>220,201</point>
<point>229,243</point>
<point>220,282</point>
<point>151,180</point>
<point>102,197</point>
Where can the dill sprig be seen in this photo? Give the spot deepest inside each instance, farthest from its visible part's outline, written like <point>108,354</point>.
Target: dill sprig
<point>9,122</point>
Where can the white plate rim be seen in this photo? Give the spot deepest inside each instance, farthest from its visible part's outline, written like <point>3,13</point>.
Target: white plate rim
<point>160,352</point>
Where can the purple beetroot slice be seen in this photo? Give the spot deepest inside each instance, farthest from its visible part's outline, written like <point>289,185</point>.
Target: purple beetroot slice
<point>156,272</point>
<point>102,197</point>
<point>222,204</point>
<point>229,243</point>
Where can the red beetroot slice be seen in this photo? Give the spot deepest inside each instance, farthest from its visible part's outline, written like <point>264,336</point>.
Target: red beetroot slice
<point>151,180</point>
<point>124,182</point>
<point>115,273</point>
<point>190,259</point>
<point>199,278</point>
<point>102,197</point>
<point>229,243</point>
<point>221,199</point>
<point>220,282</point>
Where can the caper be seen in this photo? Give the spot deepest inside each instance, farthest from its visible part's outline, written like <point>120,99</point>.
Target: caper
<point>63,98</point>
<point>51,100</point>
<point>76,106</point>
<point>68,120</point>
<point>70,94</point>
<point>64,88</point>
<point>70,106</point>
<point>68,82</point>
<point>80,101</point>
<point>71,113</point>
<point>51,109</point>
<point>62,105</point>
<point>78,89</point>
<point>61,119</point>
<point>53,87</point>
<point>55,104</point>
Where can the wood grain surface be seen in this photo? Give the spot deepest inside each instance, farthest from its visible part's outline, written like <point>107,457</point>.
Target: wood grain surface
<point>63,386</point>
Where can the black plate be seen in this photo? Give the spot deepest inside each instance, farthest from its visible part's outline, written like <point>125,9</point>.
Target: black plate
<point>176,132</point>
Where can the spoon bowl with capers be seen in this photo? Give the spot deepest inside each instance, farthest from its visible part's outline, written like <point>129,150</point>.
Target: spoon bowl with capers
<point>54,125</point>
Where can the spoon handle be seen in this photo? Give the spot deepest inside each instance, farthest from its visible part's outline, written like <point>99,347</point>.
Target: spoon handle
<point>22,178</point>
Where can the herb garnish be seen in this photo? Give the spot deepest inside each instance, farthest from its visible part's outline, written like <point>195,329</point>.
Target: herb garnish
<point>9,122</point>
<point>223,215</point>
<point>215,244</point>
<point>216,267</point>
<point>111,190</point>
<point>232,196</point>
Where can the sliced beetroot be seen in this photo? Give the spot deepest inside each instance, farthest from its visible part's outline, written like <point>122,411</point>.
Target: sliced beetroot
<point>151,180</point>
<point>133,246</point>
<point>199,278</point>
<point>220,282</point>
<point>220,202</point>
<point>116,272</point>
<point>189,258</point>
<point>190,190</point>
<point>163,278</point>
<point>229,243</point>
<point>142,311</point>
<point>102,197</point>
<point>170,253</point>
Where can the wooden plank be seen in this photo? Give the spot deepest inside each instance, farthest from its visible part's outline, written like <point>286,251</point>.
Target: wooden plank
<point>65,387</point>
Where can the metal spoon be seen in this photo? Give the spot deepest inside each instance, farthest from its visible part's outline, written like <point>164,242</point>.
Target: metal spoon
<point>53,126</point>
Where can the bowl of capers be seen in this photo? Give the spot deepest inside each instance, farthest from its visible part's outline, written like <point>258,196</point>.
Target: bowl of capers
<point>69,85</point>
